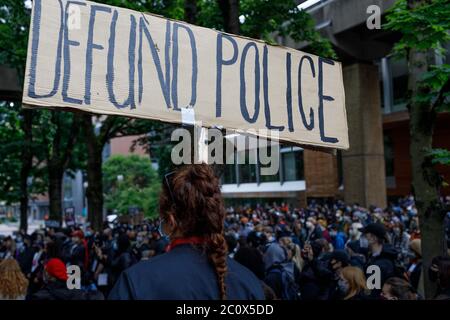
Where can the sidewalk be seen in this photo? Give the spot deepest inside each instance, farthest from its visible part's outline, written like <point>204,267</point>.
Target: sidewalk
<point>6,229</point>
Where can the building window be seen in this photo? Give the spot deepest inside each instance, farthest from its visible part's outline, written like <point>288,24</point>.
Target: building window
<point>269,178</point>
<point>293,169</point>
<point>399,72</point>
<point>247,171</point>
<point>229,175</point>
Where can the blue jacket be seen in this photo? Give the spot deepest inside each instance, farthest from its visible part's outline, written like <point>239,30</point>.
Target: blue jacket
<point>184,273</point>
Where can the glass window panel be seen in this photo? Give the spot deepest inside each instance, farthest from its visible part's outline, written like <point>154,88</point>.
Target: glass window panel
<point>247,171</point>
<point>293,166</point>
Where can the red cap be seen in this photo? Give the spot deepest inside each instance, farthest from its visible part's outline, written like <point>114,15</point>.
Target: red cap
<point>78,233</point>
<point>56,268</point>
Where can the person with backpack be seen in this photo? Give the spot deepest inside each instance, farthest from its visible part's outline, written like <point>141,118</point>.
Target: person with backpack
<point>283,275</point>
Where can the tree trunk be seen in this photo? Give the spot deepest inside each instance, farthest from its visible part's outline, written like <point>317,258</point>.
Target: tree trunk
<point>190,11</point>
<point>94,191</point>
<point>230,14</point>
<point>425,179</point>
<point>27,161</point>
<point>55,184</point>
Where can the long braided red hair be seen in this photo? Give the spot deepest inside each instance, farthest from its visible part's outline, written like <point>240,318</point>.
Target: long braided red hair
<point>198,210</point>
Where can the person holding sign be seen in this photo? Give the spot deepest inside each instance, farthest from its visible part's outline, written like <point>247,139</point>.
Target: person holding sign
<point>196,265</point>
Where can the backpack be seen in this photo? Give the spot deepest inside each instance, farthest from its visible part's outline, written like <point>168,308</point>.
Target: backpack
<point>290,290</point>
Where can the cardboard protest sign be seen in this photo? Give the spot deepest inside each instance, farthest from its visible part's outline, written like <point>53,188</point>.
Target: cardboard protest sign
<point>69,216</point>
<point>52,224</point>
<point>108,60</point>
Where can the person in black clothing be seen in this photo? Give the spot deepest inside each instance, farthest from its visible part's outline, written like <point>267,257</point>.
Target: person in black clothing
<point>381,254</point>
<point>314,232</point>
<point>55,287</point>
<point>338,260</point>
<point>357,258</point>
<point>252,258</point>
<point>123,259</point>
<point>196,265</point>
<point>158,243</point>
<point>283,276</point>
<point>315,277</point>
<point>26,255</point>
<point>78,251</point>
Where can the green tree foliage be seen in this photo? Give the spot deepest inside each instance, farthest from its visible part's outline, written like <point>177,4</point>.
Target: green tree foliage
<point>14,22</point>
<point>131,181</point>
<point>424,26</point>
<point>11,137</point>
<point>264,19</point>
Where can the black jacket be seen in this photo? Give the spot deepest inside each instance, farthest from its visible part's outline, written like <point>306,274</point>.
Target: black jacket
<point>57,290</point>
<point>315,280</point>
<point>386,262</point>
<point>121,262</point>
<point>25,259</point>
<point>275,280</point>
<point>78,256</point>
<point>184,273</point>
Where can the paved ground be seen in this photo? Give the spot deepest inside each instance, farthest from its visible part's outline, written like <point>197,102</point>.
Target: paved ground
<point>8,228</point>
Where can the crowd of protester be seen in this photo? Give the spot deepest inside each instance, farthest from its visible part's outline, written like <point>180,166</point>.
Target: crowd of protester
<point>325,251</point>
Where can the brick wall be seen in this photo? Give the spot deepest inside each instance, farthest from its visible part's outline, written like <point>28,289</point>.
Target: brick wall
<point>321,174</point>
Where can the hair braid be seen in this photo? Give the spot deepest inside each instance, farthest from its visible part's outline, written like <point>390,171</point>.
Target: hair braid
<point>217,252</point>
<point>198,208</point>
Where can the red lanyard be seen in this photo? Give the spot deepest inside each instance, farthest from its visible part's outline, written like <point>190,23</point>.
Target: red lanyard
<point>189,240</point>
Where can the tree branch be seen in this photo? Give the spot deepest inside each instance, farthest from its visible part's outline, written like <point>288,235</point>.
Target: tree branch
<point>75,129</point>
<point>440,99</point>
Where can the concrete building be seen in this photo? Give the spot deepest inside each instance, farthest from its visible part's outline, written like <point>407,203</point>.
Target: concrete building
<point>377,165</point>
<point>376,87</point>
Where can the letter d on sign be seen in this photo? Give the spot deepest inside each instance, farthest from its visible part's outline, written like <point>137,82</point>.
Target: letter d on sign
<point>74,277</point>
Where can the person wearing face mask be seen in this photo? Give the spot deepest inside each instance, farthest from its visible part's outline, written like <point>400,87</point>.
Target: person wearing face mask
<point>337,260</point>
<point>400,238</point>
<point>338,237</point>
<point>79,254</point>
<point>381,254</point>
<point>313,230</point>
<point>354,232</point>
<point>352,284</point>
<point>357,258</point>
<point>315,276</point>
